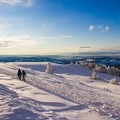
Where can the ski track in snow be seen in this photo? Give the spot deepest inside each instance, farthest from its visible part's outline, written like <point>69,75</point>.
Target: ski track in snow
<point>85,95</point>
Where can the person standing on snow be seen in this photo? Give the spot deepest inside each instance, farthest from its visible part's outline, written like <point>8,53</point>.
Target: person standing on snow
<point>19,74</point>
<point>23,75</point>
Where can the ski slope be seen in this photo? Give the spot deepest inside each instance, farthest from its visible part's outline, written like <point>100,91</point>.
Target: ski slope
<point>68,94</point>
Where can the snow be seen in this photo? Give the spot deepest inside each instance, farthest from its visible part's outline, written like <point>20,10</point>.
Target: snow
<point>68,94</point>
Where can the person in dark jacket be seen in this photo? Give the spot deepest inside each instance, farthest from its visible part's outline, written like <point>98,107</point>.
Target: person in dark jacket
<point>23,75</point>
<point>19,74</point>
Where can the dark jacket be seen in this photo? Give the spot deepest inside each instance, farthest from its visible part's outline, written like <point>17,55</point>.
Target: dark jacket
<point>19,72</point>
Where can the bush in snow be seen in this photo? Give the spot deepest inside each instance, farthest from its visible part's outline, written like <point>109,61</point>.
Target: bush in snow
<point>49,69</point>
<point>95,76</point>
<point>114,81</point>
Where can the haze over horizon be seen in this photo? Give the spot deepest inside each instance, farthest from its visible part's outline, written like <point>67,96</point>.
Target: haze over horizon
<point>39,27</point>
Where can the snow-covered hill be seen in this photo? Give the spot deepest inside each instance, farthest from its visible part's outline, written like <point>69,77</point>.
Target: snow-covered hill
<point>68,94</point>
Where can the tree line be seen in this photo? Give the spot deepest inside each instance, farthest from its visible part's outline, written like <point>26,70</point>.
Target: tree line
<point>101,68</point>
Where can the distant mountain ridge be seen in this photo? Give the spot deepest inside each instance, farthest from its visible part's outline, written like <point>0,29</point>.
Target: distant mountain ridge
<point>111,61</point>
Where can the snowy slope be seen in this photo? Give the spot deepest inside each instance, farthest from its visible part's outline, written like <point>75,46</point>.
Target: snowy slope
<point>69,94</point>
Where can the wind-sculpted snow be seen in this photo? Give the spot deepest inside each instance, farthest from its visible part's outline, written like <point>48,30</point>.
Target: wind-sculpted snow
<point>15,107</point>
<point>100,99</point>
<point>96,96</point>
<point>18,108</point>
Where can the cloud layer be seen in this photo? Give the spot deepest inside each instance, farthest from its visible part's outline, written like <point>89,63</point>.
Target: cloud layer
<point>26,3</point>
<point>101,28</point>
<point>18,41</point>
<point>26,40</point>
<point>85,47</point>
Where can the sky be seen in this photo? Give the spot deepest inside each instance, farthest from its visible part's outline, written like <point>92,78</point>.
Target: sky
<point>40,27</point>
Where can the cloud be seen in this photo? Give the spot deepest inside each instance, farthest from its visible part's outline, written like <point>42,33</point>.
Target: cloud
<point>85,47</point>
<point>112,48</point>
<point>17,41</point>
<point>101,28</point>
<point>91,27</point>
<point>100,53</point>
<point>3,44</point>
<point>26,3</point>
<point>107,28</point>
<point>66,36</point>
<point>26,40</point>
<point>61,37</point>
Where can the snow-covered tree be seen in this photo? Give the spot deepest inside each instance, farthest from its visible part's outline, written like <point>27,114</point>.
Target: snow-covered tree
<point>101,68</point>
<point>95,76</point>
<point>114,81</point>
<point>49,69</point>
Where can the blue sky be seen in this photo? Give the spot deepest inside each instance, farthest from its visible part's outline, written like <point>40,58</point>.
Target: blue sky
<point>40,27</point>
